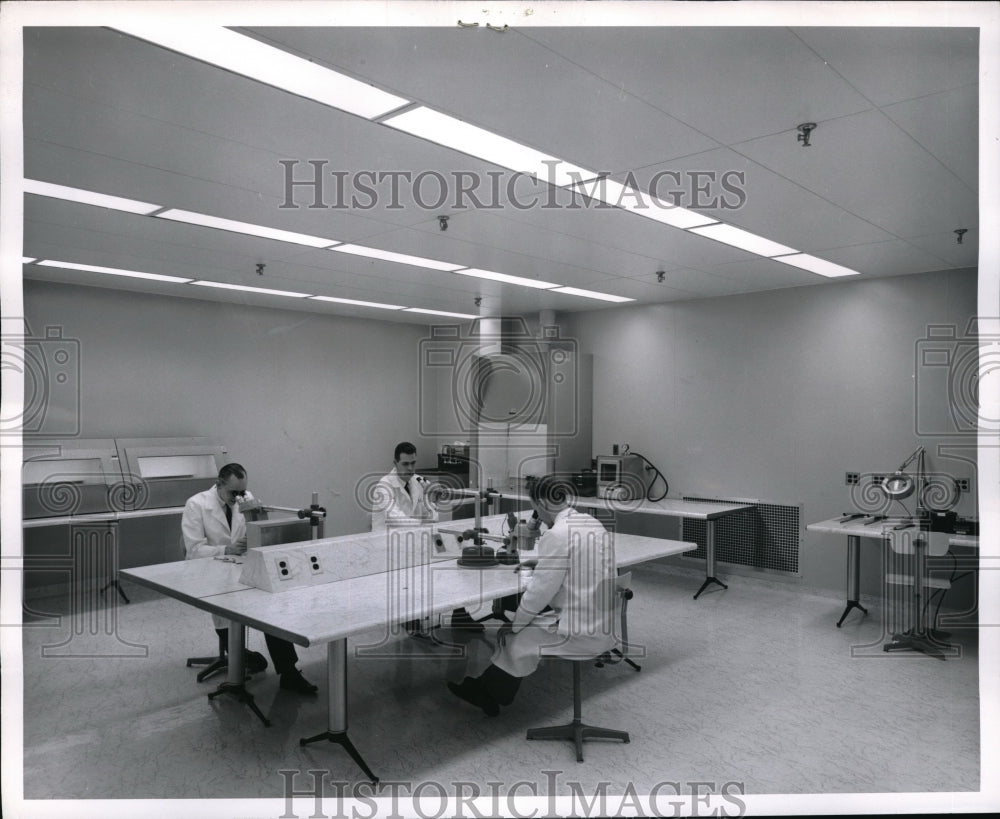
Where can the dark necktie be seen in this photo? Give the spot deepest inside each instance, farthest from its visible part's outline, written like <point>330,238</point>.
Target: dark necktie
<point>229,515</point>
<point>406,486</point>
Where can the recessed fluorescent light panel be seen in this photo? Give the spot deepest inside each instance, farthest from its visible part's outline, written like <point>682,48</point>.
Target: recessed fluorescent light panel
<point>260,290</point>
<point>113,271</point>
<point>359,303</point>
<point>590,294</point>
<point>816,265</point>
<point>27,260</point>
<point>88,197</point>
<point>203,220</point>
<point>641,203</point>
<point>439,313</point>
<point>400,258</point>
<point>743,239</point>
<point>470,139</point>
<point>503,277</point>
<point>251,58</point>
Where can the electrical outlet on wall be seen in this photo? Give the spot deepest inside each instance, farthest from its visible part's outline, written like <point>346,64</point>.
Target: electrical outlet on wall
<point>962,484</point>
<point>314,564</point>
<point>852,478</point>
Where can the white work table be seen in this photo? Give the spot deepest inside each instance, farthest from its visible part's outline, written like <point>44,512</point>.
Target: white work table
<point>708,511</point>
<point>903,536</point>
<point>331,612</point>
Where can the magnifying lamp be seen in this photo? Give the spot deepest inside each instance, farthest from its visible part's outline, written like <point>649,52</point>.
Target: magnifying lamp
<point>900,485</point>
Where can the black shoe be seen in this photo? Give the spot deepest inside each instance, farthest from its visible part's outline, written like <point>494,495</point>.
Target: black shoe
<point>461,620</point>
<point>294,681</point>
<point>414,628</point>
<point>498,685</point>
<point>471,691</point>
<point>255,662</point>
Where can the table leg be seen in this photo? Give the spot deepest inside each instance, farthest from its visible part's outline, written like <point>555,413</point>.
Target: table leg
<point>853,576</point>
<point>235,683</point>
<point>918,637</point>
<point>336,669</point>
<point>710,559</point>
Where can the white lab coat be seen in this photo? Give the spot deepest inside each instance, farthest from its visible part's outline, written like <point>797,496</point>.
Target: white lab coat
<point>393,506</point>
<point>575,577</point>
<point>206,532</point>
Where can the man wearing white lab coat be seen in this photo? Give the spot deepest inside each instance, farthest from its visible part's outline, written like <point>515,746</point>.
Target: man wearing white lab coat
<point>575,578</point>
<point>213,526</point>
<point>398,499</point>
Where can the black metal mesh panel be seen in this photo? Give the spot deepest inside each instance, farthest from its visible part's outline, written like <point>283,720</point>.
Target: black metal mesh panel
<point>765,537</point>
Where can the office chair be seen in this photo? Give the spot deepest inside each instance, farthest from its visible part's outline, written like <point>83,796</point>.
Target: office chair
<point>616,655</point>
<point>577,731</point>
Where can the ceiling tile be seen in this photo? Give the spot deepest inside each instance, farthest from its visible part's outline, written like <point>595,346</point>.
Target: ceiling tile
<point>729,84</point>
<point>945,125</point>
<point>870,167</point>
<point>889,64</point>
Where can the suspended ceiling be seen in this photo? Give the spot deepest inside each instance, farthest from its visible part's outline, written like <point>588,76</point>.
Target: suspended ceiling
<point>890,174</point>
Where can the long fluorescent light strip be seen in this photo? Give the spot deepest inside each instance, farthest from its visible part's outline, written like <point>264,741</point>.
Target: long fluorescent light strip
<point>359,303</point>
<point>439,313</point>
<point>470,139</point>
<point>88,197</point>
<point>28,259</point>
<point>251,58</point>
<point>262,290</point>
<point>743,239</point>
<point>113,271</point>
<point>635,201</point>
<point>590,294</point>
<point>203,220</point>
<point>816,265</point>
<point>399,258</point>
<point>503,277</point>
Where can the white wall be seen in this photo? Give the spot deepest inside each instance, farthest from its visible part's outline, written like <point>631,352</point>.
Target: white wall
<point>776,395</point>
<point>306,402</point>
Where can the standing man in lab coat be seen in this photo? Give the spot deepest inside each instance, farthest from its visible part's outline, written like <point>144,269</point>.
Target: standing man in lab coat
<point>214,526</point>
<point>575,578</point>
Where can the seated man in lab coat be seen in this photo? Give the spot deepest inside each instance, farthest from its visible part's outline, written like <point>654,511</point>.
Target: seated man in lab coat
<point>575,577</point>
<point>400,500</point>
<point>213,525</point>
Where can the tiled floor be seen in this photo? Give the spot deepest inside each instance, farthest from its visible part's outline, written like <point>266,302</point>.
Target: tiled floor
<point>753,686</point>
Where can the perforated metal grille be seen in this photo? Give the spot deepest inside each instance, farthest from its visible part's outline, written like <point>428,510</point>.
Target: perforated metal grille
<point>765,537</point>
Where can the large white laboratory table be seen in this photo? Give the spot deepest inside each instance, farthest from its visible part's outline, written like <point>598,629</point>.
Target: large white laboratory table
<point>331,612</point>
<point>707,511</point>
<point>903,536</point>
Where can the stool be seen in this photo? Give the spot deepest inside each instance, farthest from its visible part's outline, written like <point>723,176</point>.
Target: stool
<point>576,731</point>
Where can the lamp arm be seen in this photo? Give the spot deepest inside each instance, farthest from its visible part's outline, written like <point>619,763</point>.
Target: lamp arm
<point>918,452</point>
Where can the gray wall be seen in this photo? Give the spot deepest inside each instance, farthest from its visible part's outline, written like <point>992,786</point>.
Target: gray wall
<point>772,396</point>
<point>776,395</point>
<point>308,403</point>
